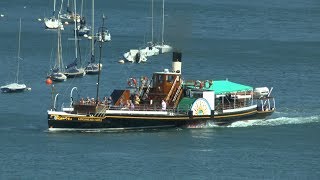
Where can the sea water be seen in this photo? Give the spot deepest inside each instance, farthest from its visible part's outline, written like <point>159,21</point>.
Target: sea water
<point>257,43</point>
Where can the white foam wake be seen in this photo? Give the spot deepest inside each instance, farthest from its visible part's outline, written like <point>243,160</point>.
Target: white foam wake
<point>269,122</point>
<point>276,121</point>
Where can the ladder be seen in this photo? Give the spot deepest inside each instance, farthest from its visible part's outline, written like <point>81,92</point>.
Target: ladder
<point>145,95</point>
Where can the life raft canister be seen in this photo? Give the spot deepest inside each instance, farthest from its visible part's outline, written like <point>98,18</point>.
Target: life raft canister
<point>132,82</point>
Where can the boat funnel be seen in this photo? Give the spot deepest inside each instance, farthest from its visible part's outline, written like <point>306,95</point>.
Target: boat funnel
<point>176,62</point>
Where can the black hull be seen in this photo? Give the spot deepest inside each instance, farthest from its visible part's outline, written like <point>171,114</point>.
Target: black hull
<point>74,75</point>
<point>92,72</point>
<point>127,122</point>
<point>57,79</point>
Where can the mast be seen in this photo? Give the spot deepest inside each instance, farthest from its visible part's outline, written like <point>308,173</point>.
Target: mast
<point>162,23</point>
<point>99,65</point>
<point>81,8</point>
<point>152,21</point>
<point>68,7</point>
<point>60,8</point>
<point>92,34</point>
<point>17,78</point>
<point>75,30</point>
<point>58,52</point>
<point>98,82</point>
<point>54,7</point>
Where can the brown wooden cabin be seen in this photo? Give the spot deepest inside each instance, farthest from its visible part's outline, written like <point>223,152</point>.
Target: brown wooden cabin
<point>166,85</point>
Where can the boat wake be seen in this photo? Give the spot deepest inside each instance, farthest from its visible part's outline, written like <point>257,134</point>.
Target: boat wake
<point>269,122</point>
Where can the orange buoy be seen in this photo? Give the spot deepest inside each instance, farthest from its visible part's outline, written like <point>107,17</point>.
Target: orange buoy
<point>48,81</point>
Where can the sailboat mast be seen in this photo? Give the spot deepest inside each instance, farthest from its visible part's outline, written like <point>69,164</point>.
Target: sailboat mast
<point>58,52</point>
<point>152,21</point>
<point>92,34</point>
<point>68,6</point>
<point>17,78</point>
<point>54,7</point>
<point>60,8</point>
<point>75,30</point>
<point>162,23</point>
<point>81,8</point>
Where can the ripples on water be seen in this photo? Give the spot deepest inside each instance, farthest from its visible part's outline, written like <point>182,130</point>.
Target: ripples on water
<point>259,43</point>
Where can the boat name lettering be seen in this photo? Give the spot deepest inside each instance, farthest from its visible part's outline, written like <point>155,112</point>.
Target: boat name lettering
<point>63,118</point>
<point>88,119</point>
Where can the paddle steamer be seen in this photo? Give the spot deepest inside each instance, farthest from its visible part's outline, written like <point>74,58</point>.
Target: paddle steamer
<point>166,100</point>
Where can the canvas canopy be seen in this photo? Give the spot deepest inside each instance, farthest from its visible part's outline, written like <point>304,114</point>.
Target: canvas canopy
<point>224,87</point>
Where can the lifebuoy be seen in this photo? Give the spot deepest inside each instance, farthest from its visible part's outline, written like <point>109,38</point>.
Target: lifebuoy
<point>132,82</point>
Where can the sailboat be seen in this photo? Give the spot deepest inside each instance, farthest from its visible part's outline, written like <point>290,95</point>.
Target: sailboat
<point>141,54</point>
<point>92,67</point>
<point>72,70</point>
<point>16,86</point>
<point>150,50</point>
<point>53,22</point>
<point>103,35</point>
<point>69,17</point>
<point>163,48</point>
<point>57,72</point>
<point>82,28</point>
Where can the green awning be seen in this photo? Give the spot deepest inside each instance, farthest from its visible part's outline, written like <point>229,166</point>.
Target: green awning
<point>223,87</point>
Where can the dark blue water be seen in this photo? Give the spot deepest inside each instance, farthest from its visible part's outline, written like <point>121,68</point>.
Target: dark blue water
<point>263,43</point>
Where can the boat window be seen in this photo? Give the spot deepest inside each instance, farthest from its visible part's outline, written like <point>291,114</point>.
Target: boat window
<point>160,79</point>
<point>170,78</point>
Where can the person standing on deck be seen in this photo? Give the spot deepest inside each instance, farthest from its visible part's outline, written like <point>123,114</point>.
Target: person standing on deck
<point>163,105</point>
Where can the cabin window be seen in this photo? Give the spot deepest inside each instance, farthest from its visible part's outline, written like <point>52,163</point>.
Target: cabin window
<point>160,79</point>
<point>170,78</point>
<point>194,94</point>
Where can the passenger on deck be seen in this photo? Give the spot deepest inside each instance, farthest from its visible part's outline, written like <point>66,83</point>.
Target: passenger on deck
<point>121,104</point>
<point>127,105</point>
<point>109,101</point>
<point>136,99</point>
<point>131,106</point>
<point>88,100</point>
<point>163,105</point>
<point>81,101</point>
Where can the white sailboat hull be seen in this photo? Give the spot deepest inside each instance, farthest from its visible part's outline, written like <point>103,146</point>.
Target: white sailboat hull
<point>93,68</point>
<point>58,77</point>
<point>75,72</point>
<point>53,23</point>
<point>149,51</point>
<point>13,87</point>
<point>164,48</point>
